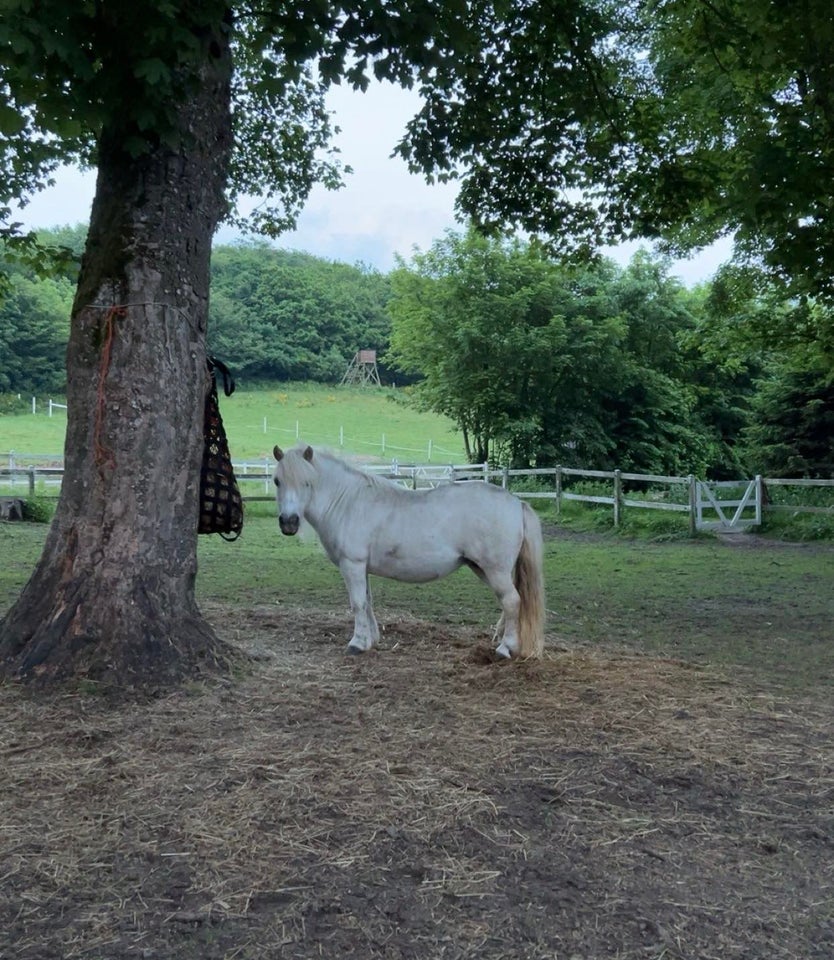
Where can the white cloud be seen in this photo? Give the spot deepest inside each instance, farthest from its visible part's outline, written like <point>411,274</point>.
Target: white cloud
<point>383,209</point>
<point>692,270</point>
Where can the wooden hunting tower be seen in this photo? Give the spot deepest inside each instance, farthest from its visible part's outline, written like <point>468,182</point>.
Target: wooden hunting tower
<point>362,370</point>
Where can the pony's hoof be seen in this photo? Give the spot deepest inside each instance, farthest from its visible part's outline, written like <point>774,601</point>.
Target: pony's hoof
<point>354,651</point>
<point>503,652</point>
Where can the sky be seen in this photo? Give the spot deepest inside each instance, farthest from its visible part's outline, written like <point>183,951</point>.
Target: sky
<point>382,211</point>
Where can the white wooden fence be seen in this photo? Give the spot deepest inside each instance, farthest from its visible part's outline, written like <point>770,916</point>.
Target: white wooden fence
<point>728,505</point>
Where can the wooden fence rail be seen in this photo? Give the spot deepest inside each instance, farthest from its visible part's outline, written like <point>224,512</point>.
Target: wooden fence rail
<point>724,505</point>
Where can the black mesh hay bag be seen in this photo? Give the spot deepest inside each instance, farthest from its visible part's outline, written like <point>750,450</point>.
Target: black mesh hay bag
<point>221,506</point>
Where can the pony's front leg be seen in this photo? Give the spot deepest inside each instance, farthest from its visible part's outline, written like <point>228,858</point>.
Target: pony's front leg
<point>365,627</point>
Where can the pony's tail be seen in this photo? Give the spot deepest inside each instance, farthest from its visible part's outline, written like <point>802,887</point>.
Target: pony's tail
<point>528,577</point>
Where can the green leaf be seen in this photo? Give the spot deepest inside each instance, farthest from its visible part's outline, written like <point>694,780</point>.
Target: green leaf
<point>153,70</point>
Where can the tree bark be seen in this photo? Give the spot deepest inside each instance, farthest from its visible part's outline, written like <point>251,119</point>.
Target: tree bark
<point>112,597</point>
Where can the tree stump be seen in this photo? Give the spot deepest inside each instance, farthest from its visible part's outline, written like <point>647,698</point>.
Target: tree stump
<point>11,508</point>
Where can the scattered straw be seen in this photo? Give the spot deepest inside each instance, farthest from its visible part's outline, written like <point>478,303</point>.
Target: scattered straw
<point>420,801</point>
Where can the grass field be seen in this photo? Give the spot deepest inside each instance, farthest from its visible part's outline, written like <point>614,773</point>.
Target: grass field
<point>768,611</point>
<point>369,422</point>
<point>765,609</point>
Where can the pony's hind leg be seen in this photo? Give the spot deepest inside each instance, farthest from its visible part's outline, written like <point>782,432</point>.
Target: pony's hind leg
<point>508,647</point>
<point>506,631</point>
<point>498,630</point>
<point>365,627</point>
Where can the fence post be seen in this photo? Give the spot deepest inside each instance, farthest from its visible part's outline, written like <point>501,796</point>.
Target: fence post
<point>31,481</point>
<point>557,480</point>
<point>618,497</point>
<point>759,499</point>
<point>505,477</point>
<point>693,501</point>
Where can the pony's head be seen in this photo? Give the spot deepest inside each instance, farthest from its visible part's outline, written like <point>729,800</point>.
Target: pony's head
<point>293,478</point>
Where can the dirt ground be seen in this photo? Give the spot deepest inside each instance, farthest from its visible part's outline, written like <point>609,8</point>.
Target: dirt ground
<point>419,802</point>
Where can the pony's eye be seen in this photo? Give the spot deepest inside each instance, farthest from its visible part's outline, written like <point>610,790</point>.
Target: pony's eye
<point>276,481</point>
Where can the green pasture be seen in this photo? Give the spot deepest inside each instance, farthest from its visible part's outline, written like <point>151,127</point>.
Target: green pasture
<point>763,611</point>
<point>372,422</point>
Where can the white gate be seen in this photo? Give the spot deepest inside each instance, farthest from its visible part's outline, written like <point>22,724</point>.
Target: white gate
<point>728,514</point>
<point>419,476</point>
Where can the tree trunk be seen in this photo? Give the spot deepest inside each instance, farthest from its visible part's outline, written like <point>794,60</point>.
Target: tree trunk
<point>112,597</point>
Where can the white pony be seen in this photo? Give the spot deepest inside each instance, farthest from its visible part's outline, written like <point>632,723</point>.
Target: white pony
<point>368,524</point>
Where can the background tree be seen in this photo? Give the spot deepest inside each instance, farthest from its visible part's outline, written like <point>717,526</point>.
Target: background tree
<point>34,315</point>
<point>34,324</point>
<point>540,362</point>
<point>792,433</point>
<point>484,321</point>
<point>785,347</point>
<point>667,410</point>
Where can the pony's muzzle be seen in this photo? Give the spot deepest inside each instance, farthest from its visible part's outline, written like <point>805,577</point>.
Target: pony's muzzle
<point>289,524</point>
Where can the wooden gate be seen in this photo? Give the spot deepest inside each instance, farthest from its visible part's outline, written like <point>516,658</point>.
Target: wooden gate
<point>728,515</point>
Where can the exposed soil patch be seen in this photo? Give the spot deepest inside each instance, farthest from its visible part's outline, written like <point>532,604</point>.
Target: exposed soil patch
<point>419,802</point>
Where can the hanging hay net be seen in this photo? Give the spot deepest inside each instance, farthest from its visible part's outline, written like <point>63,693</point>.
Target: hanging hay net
<point>221,506</point>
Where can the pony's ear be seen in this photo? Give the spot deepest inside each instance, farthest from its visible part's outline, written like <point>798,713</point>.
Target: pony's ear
<point>277,452</point>
<point>308,454</point>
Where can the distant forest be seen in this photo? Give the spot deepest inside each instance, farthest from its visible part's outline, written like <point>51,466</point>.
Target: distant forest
<point>536,361</point>
<point>275,315</point>
<point>286,315</point>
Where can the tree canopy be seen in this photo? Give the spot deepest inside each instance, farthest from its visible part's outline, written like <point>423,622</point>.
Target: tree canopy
<point>73,70</point>
<point>582,121</point>
<point>274,315</point>
<point>742,131</point>
<point>34,326</point>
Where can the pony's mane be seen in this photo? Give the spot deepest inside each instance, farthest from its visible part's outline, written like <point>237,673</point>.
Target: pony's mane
<point>297,468</point>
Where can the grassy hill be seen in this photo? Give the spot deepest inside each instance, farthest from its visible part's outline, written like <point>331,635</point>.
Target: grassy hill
<point>360,422</point>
